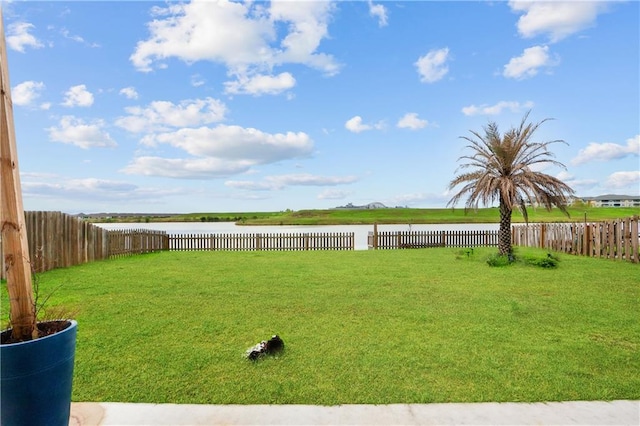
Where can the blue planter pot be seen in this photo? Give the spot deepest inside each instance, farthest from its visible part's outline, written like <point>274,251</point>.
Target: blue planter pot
<point>36,379</point>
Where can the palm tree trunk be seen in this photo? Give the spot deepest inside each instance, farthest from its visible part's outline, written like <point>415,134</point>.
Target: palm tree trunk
<point>504,234</point>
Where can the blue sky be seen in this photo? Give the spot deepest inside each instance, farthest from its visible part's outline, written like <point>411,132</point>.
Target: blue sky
<point>216,106</point>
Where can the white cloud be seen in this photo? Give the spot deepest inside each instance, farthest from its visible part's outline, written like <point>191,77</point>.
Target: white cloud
<point>575,183</point>
<point>76,132</point>
<point>411,121</point>
<point>38,175</point>
<point>93,184</point>
<point>246,37</point>
<point>564,175</point>
<point>129,92</point>
<point>261,84</point>
<point>186,168</point>
<point>355,125</point>
<point>162,115</point>
<point>75,187</point>
<point>271,183</point>
<point>619,180</point>
<point>90,188</point>
<point>307,22</point>
<point>197,80</point>
<point>497,108</point>
<point>246,185</point>
<point>380,12</point>
<point>236,143</point>
<point>305,179</point>
<point>582,184</point>
<point>26,93</point>
<point>18,37</point>
<point>78,96</point>
<point>433,66</point>
<point>67,34</point>
<point>527,64</point>
<point>196,31</point>
<point>219,151</point>
<point>608,151</point>
<point>556,19</point>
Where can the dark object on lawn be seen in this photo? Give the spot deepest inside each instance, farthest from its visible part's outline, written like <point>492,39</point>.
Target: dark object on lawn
<point>266,347</point>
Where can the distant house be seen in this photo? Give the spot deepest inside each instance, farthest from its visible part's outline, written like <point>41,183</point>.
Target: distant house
<point>612,200</point>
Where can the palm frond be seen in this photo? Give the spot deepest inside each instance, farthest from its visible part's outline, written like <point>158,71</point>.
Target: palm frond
<point>499,168</point>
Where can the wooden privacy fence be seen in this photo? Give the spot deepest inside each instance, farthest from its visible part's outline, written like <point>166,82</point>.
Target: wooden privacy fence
<point>283,242</point>
<point>618,239</point>
<point>57,240</point>
<point>421,239</point>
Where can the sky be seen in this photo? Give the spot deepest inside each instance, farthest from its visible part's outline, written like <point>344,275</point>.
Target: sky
<point>218,106</point>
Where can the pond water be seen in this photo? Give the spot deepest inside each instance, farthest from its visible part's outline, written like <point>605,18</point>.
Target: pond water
<point>360,231</point>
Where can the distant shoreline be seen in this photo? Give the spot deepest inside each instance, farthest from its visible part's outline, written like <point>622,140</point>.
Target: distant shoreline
<point>371,216</point>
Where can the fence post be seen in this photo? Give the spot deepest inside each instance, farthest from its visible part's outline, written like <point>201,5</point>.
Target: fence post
<point>635,236</point>
<point>626,238</point>
<point>375,235</point>
<point>587,239</point>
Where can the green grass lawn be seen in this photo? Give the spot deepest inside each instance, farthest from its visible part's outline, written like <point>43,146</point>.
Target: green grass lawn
<point>374,327</point>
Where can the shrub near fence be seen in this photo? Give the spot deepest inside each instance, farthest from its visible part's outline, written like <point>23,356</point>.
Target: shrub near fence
<point>618,239</point>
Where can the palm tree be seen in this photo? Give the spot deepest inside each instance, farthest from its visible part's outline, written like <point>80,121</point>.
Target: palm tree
<point>501,168</point>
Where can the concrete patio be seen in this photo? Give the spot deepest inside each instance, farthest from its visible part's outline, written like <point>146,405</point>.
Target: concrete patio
<point>550,413</point>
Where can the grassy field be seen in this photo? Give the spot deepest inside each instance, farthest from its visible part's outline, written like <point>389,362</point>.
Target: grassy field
<point>417,216</point>
<point>398,326</point>
<point>392,216</point>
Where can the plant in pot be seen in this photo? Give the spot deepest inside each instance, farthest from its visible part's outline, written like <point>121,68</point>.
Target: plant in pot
<point>36,370</point>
